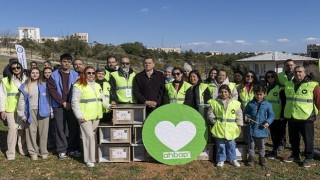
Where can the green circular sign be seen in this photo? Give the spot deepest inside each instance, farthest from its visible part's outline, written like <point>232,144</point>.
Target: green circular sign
<point>174,134</point>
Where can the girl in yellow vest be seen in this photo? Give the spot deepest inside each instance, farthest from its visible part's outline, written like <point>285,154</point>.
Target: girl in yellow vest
<point>276,96</point>
<point>87,104</point>
<point>9,96</point>
<point>226,114</point>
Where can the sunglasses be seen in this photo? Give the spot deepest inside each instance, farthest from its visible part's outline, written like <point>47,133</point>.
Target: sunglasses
<point>93,73</point>
<point>14,68</point>
<point>270,76</point>
<point>124,63</point>
<point>176,74</point>
<point>249,76</point>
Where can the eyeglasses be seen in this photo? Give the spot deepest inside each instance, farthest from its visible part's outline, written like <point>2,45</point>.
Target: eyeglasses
<point>125,63</point>
<point>93,73</point>
<point>270,76</point>
<point>176,74</point>
<point>14,68</point>
<point>249,76</point>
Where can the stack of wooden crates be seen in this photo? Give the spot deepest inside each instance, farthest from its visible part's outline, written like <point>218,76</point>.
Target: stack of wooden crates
<point>121,140</point>
<point>209,151</point>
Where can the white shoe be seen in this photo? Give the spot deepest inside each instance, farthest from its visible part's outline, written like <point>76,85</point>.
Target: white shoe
<point>90,164</point>
<point>235,163</point>
<point>220,164</point>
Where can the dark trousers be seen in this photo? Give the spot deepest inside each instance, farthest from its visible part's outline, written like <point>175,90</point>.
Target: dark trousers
<point>63,116</point>
<point>278,133</point>
<point>306,130</point>
<point>51,134</point>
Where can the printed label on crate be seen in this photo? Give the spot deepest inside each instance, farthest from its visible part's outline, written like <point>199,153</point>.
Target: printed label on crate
<point>123,115</point>
<point>119,153</point>
<point>120,134</point>
<point>174,134</point>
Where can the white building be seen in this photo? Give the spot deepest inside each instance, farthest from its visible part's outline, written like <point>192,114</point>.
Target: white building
<point>272,61</point>
<point>83,36</point>
<point>29,33</point>
<point>178,50</point>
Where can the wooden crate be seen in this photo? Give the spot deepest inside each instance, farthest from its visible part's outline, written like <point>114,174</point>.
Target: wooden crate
<point>207,153</point>
<point>139,153</point>
<point>137,134</point>
<point>129,114</point>
<point>115,134</point>
<point>114,153</point>
<point>243,137</point>
<point>241,151</point>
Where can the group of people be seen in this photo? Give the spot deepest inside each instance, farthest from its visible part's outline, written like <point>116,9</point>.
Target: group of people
<point>59,104</point>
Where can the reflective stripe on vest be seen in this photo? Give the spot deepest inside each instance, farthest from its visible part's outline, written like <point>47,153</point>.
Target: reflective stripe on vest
<point>122,84</point>
<point>177,97</point>
<point>226,126</point>
<point>90,102</point>
<point>300,104</point>
<point>12,95</point>
<point>274,98</point>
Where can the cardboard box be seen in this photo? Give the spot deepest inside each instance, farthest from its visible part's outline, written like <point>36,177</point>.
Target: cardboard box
<point>129,114</point>
<point>207,153</point>
<point>137,134</point>
<point>114,153</point>
<point>114,134</point>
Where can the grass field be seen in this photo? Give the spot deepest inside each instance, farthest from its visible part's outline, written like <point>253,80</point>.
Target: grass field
<point>74,168</point>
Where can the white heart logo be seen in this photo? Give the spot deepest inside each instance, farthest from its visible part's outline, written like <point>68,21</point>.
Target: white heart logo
<point>175,137</point>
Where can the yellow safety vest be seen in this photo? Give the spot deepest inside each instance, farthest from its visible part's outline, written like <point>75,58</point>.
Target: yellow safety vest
<point>245,97</point>
<point>122,85</point>
<point>12,95</point>
<point>177,97</point>
<point>225,126</point>
<point>274,98</point>
<point>202,88</point>
<point>283,78</point>
<point>90,102</point>
<point>106,93</point>
<point>107,76</point>
<point>300,104</point>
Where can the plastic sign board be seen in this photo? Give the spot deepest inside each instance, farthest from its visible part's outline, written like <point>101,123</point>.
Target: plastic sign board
<point>174,134</point>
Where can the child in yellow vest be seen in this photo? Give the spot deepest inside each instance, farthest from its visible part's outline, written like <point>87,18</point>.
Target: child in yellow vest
<point>226,114</point>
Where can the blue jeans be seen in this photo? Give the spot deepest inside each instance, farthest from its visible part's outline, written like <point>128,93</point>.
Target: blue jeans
<point>225,148</point>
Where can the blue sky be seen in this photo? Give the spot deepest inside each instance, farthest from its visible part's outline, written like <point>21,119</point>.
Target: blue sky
<point>212,25</point>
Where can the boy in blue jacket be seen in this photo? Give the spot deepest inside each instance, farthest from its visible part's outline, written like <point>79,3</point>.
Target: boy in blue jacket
<point>259,115</point>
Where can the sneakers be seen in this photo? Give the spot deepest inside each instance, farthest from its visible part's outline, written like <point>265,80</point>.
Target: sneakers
<point>90,164</point>
<point>44,157</point>
<point>250,161</point>
<point>75,153</point>
<point>292,159</point>
<point>262,161</point>
<point>280,148</point>
<point>307,163</point>
<point>220,164</point>
<point>10,158</point>
<point>235,163</point>
<point>273,155</point>
<point>34,158</point>
<point>62,156</point>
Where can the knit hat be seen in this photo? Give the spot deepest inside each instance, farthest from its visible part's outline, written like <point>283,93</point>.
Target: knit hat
<point>187,67</point>
<point>100,70</point>
<point>170,68</point>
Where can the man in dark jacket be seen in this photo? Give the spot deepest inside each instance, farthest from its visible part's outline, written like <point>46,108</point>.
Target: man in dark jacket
<point>148,86</point>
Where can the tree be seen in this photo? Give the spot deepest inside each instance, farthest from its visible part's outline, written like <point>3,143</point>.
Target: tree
<point>136,48</point>
<point>74,46</point>
<point>7,38</point>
